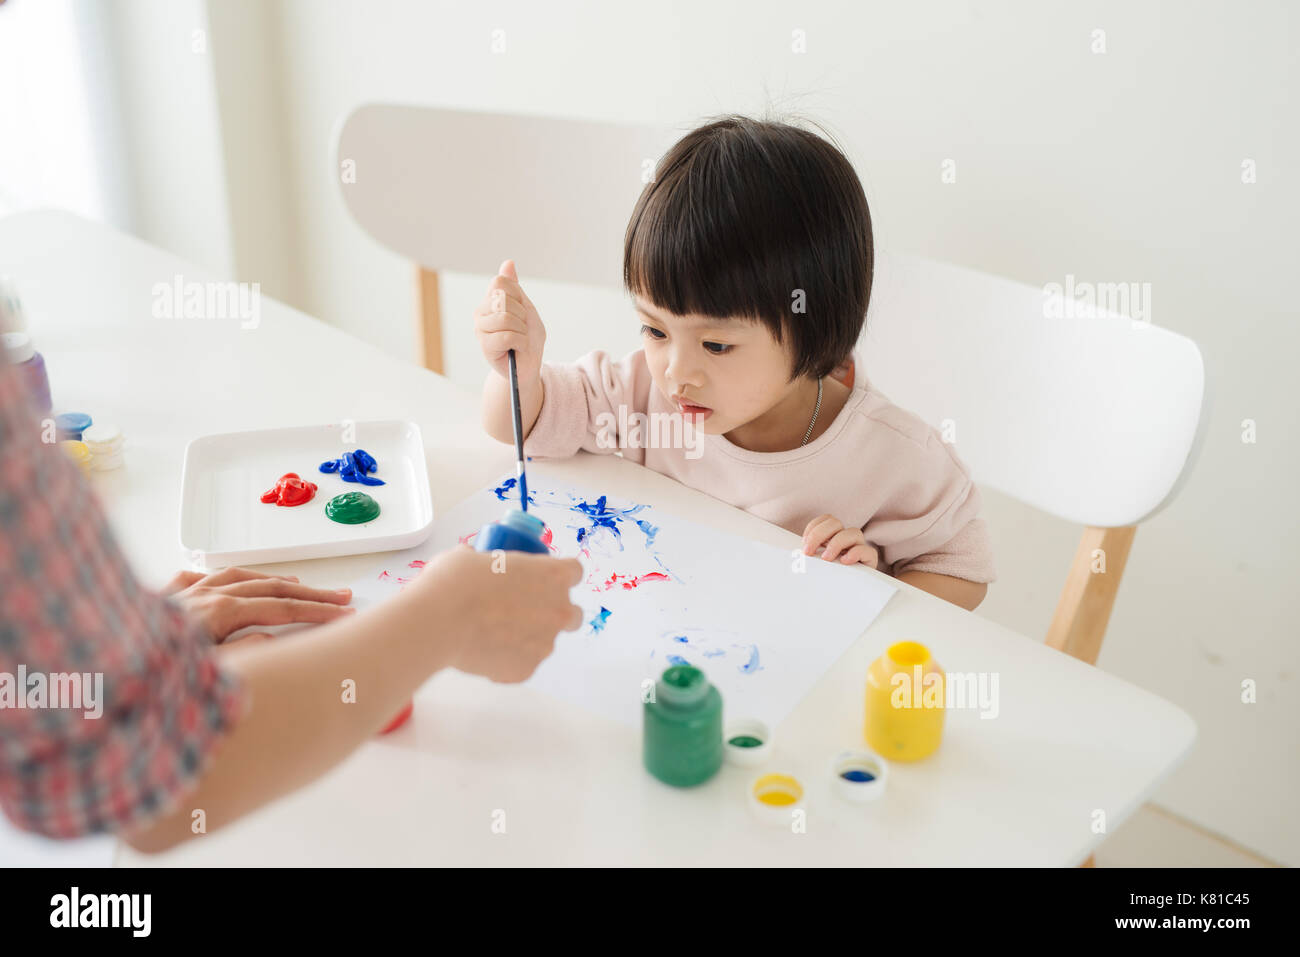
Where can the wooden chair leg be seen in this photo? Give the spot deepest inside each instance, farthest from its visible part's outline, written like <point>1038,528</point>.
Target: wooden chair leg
<point>1083,610</point>
<point>429,320</point>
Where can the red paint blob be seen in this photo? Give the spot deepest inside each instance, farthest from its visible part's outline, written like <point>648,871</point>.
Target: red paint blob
<point>290,490</point>
<point>401,718</point>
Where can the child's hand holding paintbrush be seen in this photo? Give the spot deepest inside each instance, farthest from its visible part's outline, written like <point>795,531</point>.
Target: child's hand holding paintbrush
<point>508,321</point>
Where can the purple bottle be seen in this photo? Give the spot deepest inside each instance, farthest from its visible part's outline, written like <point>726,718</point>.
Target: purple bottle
<point>22,353</point>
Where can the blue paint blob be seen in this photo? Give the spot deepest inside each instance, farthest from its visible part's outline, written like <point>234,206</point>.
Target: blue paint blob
<point>354,467</point>
<point>752,665</point>
<point>598,623</point>
<point>677,660</point>
<point>857,776</point>
<point>683,639</point>
<point>650,531</point>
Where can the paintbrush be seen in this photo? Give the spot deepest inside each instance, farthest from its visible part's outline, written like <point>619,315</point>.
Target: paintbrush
<point>519,433</point>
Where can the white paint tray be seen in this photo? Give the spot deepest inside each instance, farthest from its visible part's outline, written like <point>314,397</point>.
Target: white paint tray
<point>223,522</point>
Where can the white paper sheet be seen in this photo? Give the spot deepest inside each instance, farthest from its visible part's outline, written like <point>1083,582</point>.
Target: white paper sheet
<point>761,629</point>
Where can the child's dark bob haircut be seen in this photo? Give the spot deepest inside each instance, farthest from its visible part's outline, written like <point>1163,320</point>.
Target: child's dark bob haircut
<point>741,215</point>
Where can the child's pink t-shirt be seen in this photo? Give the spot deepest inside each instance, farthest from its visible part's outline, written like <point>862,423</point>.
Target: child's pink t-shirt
<point>878,467</point>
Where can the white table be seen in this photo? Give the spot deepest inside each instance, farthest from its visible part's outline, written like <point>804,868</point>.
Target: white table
<point>1019,789</point>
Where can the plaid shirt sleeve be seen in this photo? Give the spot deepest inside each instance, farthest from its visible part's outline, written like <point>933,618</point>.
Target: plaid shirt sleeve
<point>70,605</point>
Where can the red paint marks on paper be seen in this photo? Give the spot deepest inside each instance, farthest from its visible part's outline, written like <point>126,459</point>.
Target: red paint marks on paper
<point>632,581</point>
<point>387,576</point>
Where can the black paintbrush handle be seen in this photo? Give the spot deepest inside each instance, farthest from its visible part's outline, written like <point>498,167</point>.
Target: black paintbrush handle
<point>519,432</point>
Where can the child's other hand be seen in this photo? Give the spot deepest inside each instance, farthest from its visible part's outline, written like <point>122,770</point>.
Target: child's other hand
<point>849,545</point>
<point>507,319</point>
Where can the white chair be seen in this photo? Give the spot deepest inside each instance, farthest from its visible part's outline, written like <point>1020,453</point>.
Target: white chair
<point>451,190</point>
<point>1093,419</point>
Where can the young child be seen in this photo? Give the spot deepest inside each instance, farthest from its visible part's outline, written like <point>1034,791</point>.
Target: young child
<point>749,257</point>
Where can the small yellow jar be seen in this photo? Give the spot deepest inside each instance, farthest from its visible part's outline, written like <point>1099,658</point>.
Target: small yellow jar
<point>905,703</point>
<point>78,452</point>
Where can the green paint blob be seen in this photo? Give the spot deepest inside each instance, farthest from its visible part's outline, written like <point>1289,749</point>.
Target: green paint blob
<point>745,741</point>
<point>352,508</point>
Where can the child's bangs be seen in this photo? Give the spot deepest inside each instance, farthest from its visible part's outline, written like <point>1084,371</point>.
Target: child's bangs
<point>693,259</point>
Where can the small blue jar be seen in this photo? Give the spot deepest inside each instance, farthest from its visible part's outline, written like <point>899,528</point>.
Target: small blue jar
<point>516,532</point>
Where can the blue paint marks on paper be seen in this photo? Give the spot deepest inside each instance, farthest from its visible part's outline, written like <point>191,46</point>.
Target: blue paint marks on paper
<point>600,515</point>
<point>598,623</point>
<point>752,665</point>
<point>683,639</point>
<point>650,531</point>
<point>714,653</point>
<point>677,660</point>
<point>501,490</point>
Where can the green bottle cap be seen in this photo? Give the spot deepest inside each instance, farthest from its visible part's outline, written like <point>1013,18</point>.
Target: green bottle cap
<point>683,685</point>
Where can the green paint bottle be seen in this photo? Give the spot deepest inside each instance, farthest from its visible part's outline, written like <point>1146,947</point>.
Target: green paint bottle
<point>682,728</point>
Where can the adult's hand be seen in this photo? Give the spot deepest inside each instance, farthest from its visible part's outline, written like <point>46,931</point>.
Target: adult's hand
<point>499,613</point>
<point>236,598</point>
<point>465,610</point>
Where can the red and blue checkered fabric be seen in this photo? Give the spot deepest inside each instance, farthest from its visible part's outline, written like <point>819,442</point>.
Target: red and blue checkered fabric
<point>69,603</point>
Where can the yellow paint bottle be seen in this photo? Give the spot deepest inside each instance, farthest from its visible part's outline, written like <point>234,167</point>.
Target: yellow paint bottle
<point>905,703</point>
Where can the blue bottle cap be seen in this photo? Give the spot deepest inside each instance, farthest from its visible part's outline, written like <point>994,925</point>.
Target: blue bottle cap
<point>72,423</point>
<point>521,520</point>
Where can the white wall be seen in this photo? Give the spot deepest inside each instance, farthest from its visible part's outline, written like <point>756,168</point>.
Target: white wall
<point>108,108</point>
<point>245,53</point>
<point>177,193</point>
<point>58,106</point>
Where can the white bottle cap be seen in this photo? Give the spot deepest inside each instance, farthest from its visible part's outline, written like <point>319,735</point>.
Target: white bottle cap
<point>774,799</point>
<point>859,775</point>
<point>18,346</point>
<point>102,436</point>
<point>747,731</point>
<point>11,307</point>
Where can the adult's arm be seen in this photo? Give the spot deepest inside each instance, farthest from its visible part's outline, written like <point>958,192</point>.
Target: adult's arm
<point>149,753</point>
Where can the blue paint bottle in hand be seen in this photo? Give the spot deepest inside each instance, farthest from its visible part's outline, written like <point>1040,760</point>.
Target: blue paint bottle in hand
<point>516,532</point>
